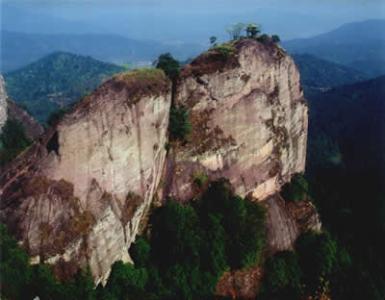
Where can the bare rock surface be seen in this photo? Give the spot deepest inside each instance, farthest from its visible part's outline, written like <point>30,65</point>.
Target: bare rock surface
<point>287,220</point>
<point>78,195</point>
<point>249,122</point>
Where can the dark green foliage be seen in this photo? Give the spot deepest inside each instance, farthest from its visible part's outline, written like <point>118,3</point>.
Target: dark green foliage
<point>349,192</point>
<point>190,246</point>
<point>296,190</point>
<point>14,268</point>
<point>180,126</point>
<point>264,38</point>
<point>169,65</point>
<point>140,252</point>
<point>252,30</point>
<point>12,141</point>
<point>19,280</point>
<point>176,237</point>
<point>242,221</point>
<point>318,264</point>
<point>283,276</point>
<point>55,81</point>
<point>125,282</point>
<point>323,261</point>
<point>318,256</point>
<point>275,39</point>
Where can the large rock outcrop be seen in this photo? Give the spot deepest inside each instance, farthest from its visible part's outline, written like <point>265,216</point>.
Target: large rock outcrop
<point>249,121</point>
<point>78,196</point>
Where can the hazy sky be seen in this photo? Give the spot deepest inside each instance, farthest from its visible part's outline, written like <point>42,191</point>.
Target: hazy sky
<point>195,20</point>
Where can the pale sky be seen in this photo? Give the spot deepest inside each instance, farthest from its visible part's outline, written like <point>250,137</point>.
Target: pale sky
<point>194,20</point>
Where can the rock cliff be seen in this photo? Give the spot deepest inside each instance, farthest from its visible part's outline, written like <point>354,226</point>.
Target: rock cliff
<point>79,194</point>
<point>249,122</point>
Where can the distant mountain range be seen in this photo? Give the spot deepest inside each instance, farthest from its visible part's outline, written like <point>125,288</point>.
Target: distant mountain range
<point>56,81</point>
<point>321,74</point>
<point>359,45</point>
<point>19,49</point>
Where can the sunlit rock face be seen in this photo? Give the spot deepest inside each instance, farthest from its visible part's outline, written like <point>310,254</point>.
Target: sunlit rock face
<point>3,103</point>
<point>249,122</point>
<point>77,197</point>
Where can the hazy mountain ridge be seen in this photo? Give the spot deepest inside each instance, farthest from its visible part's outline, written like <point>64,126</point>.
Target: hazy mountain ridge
<point>55,81</point>
<point>318,73</point>
<point>19,49</point>
<point>353,42</point>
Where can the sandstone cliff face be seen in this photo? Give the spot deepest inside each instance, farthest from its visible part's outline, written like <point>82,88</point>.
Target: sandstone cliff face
<point>3,103</point>
<point>78,196</point>
<point>249,122</point>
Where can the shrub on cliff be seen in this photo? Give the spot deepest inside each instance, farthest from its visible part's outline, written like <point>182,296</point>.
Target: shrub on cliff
<point>180,126</point>
<point>283,276</point>
<point>296,190</point>
<point>169,65</point>
<point>252,30</point>
<point>125,282</point>
<point>140,252</point>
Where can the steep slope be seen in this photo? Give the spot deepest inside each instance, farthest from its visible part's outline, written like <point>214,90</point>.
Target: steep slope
<point>321,74</point>
<point>352,44</point>
<point>56,81</point>
<point>249,122</point>
<point>78,196</point>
